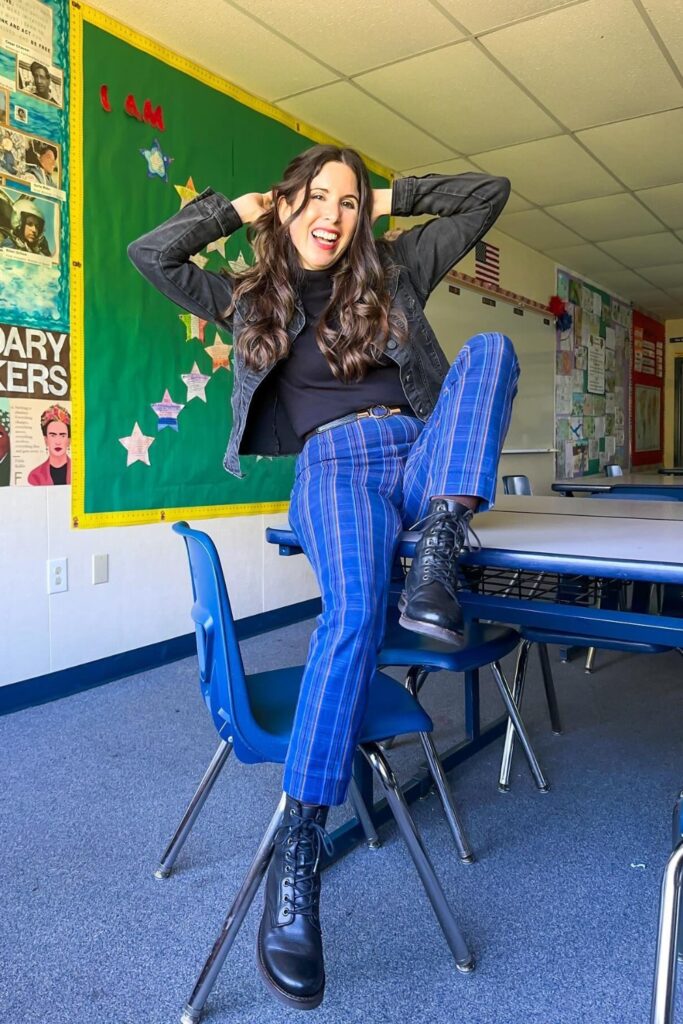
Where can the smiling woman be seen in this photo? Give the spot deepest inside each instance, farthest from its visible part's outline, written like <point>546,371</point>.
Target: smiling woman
<point>335,360</point>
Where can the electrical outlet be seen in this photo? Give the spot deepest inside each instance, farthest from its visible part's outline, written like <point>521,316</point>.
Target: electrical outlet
<point>57,575</point>
<point>100,568</point>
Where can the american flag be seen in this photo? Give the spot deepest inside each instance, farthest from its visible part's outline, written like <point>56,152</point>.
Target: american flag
<point>487,262</point>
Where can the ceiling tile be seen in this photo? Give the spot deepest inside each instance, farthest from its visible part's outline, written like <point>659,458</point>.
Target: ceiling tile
<point>622,281</point>
<point>590,63</point>
<point>634,149</point>
<point>668,276</point>
<point>538,170</point>
<point>646,250</point>
<point>537,229</point>
<point>584,258</point>
<point>355,35</point>
<point>458,165</point>
<point>347,114</point>
<point>286,70</point>
<point>666,201</point>
<point>667,16</point>
<point>477,16</point>
<point>606,218</point>
<point>495,113</point>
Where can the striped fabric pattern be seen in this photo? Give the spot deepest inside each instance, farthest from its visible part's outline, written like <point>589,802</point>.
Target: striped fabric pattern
<point>356,487</point>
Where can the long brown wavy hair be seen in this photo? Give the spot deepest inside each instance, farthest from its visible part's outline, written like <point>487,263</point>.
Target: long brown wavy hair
<point>358,319</point>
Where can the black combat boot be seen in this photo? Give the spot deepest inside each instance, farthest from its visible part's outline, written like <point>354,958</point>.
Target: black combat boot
<point>429,603</point>
<point>290,947</point>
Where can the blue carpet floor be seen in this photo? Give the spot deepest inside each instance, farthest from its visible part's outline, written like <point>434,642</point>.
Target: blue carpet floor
<point>560,908</point>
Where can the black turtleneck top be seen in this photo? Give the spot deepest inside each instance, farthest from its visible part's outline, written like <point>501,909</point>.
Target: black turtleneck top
<point>306,387</point>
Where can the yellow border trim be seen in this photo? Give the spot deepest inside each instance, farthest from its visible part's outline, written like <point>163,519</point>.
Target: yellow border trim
<point>78,14</point>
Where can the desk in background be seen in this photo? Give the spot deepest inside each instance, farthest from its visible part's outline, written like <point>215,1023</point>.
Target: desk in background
<point>655,484</point>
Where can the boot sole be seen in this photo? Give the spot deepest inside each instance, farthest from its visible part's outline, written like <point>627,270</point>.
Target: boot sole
<point>446,636</point>
<point>281,994</point>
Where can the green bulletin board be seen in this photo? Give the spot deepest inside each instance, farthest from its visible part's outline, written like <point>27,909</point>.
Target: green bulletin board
<point>130,345</point>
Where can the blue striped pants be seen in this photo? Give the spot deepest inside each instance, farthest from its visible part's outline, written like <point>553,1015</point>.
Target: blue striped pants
<point>356,488</point>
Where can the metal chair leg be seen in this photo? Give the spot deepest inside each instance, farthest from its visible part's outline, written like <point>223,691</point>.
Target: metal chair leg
<point>195,805</point>
<point>517,693</point>
<point>520,728</point>
<point>361,811</point>
<point>665,960</point>
<point>590,660</point>
<point>677,831</point>
<point>464,960</point>
<point>414,682</point>
<point>195,1005</point>
<point>549,687</point>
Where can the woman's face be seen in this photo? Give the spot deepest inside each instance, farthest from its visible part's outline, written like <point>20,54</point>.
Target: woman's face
<point>57,441</point>
<point>325,227</point>
<point>47,161</point>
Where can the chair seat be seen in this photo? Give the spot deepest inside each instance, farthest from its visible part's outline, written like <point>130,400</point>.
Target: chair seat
<point>547,636</point>
<point>483,644</point>
<point>273,697</point>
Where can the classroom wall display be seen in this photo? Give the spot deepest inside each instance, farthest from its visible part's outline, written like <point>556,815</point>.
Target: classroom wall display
<point>591,380</point>
<point>647,390</point>
<point>34,232</point>
<point>152,384</point>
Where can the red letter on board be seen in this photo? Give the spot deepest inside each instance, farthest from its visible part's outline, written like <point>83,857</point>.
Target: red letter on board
<point>153,116</point>
<point>131,107</point>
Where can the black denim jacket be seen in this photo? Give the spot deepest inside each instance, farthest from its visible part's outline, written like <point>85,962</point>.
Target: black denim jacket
<point>465,205</point>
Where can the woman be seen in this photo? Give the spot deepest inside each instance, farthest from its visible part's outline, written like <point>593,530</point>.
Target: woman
<point>335,360</point>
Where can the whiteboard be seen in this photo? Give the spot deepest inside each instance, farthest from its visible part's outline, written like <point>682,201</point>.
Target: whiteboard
<point>457,317</point>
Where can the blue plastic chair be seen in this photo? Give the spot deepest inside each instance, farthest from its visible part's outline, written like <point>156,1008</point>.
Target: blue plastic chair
<point>516,484</point>
<point>254,714</point>
<point>612,469</point>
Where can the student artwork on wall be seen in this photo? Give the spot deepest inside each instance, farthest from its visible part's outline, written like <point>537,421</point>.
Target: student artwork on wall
<point>151,383</point>
<point>34,233</point>
<point>591,380</point>
<point>647,390</point>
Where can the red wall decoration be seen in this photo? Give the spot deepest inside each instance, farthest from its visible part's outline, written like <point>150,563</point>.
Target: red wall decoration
<point>647,391</point>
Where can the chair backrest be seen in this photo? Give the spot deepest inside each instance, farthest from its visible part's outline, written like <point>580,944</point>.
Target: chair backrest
<point>611,469</point>
<point>516,485</point>
<point>221,670</point>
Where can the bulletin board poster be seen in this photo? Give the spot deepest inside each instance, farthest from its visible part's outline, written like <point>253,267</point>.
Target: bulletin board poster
<point>35,409</point>
<point>591,380</point>
<point>647,390</point>
<point>152,384</point>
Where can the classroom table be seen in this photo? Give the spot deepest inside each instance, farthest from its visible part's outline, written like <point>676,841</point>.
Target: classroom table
<point>634,483</point>
<point>558,554</point>
<point>671,471</point>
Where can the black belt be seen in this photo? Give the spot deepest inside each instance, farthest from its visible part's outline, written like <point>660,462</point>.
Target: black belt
<point>377,412</point>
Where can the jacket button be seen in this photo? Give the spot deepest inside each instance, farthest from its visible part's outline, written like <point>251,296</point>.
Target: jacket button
<point>408,377</point>
<point>422,409</point>
<point>391,343</point>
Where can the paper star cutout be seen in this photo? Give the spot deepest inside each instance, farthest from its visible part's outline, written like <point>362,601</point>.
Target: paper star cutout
<point>196,383</point>
<point>186,192</point>
<point>220,353</point>
<point>199,260</point>
<point>137,445</point>
<point>194,326</point>
<point>168,411</point>
<point>238,265</point>
<point>217,246</point>
<point>157,161</point>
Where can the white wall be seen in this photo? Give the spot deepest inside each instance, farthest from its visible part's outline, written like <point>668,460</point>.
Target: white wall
<point>148,596</point>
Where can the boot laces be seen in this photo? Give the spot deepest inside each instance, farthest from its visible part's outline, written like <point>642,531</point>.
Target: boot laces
<point>304,839</point>
<point>449,533</point>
